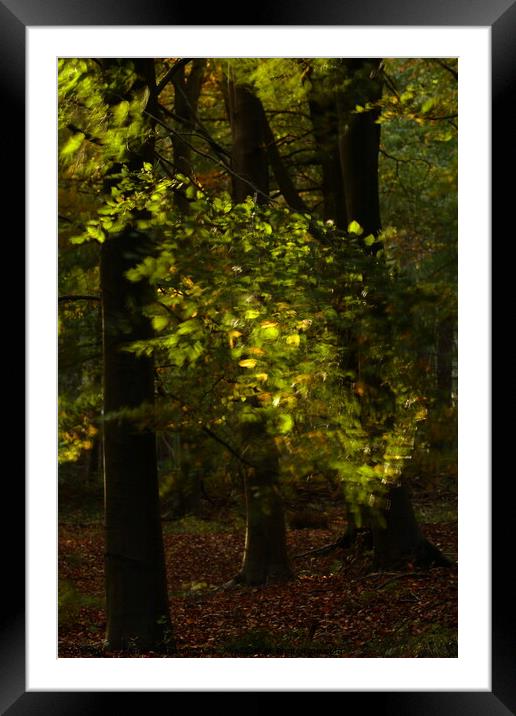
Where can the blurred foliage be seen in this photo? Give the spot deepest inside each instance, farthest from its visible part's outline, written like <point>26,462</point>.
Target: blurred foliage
<point>260,312</point>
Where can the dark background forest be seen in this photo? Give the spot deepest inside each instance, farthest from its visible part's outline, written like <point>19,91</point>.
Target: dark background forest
<point>258,357</point>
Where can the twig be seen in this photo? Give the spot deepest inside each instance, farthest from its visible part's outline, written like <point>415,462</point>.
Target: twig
<point>227,446</point>
<point>215,160</point>
<point>446,67</point>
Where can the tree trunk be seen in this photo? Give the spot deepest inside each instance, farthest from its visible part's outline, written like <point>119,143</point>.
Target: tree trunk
<point>187,90</point>
<point>323,113</point>
<point>136,591</point>
<point>265,554</point>
<point>137,602</point>
<point>445,354</point>
<point>359,143</point>
<point>398,540</point>
<point>249,156</point>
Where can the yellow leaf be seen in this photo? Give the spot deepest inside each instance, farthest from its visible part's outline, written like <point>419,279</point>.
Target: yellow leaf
<point>293,340</point>
<point>247,363</point>
<point>304,325</point>
<point>262,377</point>
<point>231,337</point>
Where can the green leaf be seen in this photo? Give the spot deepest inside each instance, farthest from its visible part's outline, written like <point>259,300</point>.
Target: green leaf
<point>78,239</point>
<point>427,106</point>
<point>285,423</point>
<point>159,322</point>
<point>188,327</point>
<point>270,332</point>
<point>355,228</point>
<point>120,112</point>
<point>72,145</point>
<point>369,240</point>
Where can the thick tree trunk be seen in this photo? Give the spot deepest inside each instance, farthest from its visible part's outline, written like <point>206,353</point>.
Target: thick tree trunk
<point>325,124</point>
<point>265,554</point>
<point>249,156</point>
<point>359,144</point>
<point>354,196</point>
<point>136,591</point>
<point>397,539</point>
<point>137,603</point>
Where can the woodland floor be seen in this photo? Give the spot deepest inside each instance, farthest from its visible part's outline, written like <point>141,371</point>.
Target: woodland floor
<point>335,607</point>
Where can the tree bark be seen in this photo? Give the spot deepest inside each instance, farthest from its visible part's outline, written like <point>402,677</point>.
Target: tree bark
<point>283,179</point>
<point>265,554</point>
<point>396,534</point>
<point>187,91</point>
<point>445,353</point>
<point>249,155</point>
<point>359,143</point>
<point>137,603</point>
<point>136,591</point>
<point>397,538</point>
<point>325,124</point>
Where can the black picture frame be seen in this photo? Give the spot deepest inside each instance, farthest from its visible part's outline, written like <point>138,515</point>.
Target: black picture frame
<point>500,16</point>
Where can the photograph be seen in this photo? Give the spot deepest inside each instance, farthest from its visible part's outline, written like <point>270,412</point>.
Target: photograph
<point>257,357</point>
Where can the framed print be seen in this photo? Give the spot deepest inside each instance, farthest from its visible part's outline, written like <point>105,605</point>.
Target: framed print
<point>480,680</point>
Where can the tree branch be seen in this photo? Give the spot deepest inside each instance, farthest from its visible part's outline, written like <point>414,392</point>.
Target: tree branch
<point>227,446</point>
<point>447,67</point>
<point>170,74</point>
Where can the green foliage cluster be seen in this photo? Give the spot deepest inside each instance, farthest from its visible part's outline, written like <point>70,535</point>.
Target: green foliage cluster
<point>260,312</point>
<point>251,316</point>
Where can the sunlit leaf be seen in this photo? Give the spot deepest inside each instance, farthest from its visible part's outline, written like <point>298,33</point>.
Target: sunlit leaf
<point>293,339</point>
<point>355,228</point>
<point>159,322</point>
<point>285,423</point>
<point>247,363</point>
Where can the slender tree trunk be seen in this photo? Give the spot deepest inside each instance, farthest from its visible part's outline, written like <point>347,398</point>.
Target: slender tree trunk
<point>265,554</point>
<point>445,352</point>
<point>187,89</point>
<point>136,592</point>
<point>283,179</point>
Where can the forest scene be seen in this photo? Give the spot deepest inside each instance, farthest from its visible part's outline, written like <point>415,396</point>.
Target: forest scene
<point>257,354</point>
